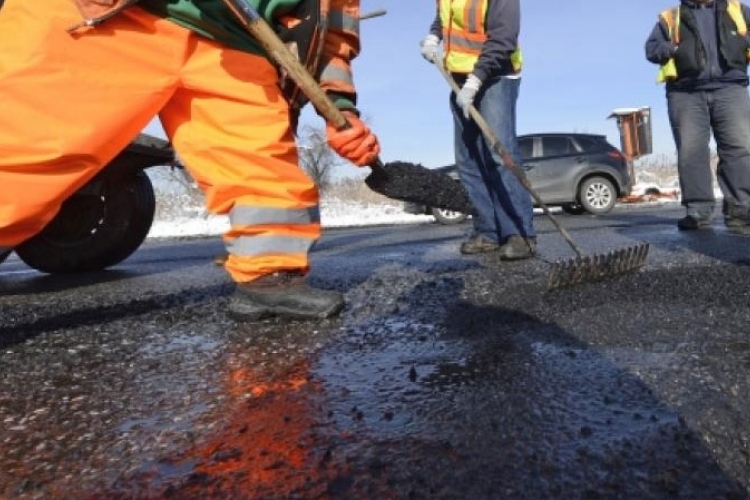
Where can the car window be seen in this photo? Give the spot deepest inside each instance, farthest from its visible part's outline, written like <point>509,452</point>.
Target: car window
<point>589,144</point>
<point>557,146</point>
<point>526,146</point>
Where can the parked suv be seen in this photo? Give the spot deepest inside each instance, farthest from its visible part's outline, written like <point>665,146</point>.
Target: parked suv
<point>582,173</point>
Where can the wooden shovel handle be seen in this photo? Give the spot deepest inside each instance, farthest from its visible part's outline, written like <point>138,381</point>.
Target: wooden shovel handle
<point>280,53</point>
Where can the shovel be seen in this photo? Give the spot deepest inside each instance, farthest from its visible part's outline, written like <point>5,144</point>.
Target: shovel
<point>564,272</point>
<point>397,180</point>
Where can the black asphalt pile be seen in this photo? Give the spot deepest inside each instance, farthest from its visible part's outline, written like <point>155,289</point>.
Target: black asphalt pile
<point>415,183</point>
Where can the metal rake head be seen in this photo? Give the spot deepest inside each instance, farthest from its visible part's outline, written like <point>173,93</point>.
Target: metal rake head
<point>597,267</point>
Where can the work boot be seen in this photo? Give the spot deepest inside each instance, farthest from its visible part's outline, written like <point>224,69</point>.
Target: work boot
<point>693,222</point>
<point>478,244</point>
<point>517,248</point>
<point>283,293</point>
<point>737,225</point>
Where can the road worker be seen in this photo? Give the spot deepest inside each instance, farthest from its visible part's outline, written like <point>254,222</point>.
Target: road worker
<point>702,49</point>
<point>79,79</point>
<point>480,48</point>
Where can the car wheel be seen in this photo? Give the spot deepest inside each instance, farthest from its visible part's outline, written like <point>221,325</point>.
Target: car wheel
<point>597,195</point>
<point>448,217</point>
<point>98,227</point>
<point>573,209</point>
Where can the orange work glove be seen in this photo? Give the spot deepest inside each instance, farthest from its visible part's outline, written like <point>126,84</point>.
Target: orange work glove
<point>357,143</point>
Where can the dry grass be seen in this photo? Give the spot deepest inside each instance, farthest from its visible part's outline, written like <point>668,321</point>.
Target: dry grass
<point>661,169</point>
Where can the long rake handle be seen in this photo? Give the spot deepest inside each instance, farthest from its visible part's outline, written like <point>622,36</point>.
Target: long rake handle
<point>507,159</point>
<point>275,47</point>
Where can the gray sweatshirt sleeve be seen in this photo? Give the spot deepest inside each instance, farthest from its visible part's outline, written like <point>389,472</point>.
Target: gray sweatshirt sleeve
<point>503,28</point>
<point>659,48</point>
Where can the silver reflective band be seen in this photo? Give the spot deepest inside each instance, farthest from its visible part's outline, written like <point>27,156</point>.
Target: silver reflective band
<point>337,20</point>
<point>255,246</point>
<point>464,43</point>
<point>334,73</point>
<point>242,215</point>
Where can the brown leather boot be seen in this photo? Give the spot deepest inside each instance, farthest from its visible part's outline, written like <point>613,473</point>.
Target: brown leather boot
<point>283,293</point>
<point>517,248</point>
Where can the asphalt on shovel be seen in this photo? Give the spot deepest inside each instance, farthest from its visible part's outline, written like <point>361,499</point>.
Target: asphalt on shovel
<point>579,269</point>
<point>397,180</point>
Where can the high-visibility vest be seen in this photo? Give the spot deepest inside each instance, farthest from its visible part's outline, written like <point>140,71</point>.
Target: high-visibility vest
<point>671,17</point>
<point>464,34</point>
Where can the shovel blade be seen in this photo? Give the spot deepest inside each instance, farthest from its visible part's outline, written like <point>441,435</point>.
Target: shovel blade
<point>414,183</point>
<point>597,267</point>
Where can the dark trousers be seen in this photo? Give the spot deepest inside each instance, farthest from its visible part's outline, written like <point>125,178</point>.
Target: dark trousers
<point>694,116</point>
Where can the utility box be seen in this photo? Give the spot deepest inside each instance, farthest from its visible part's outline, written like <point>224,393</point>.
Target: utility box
<point>635,131</point>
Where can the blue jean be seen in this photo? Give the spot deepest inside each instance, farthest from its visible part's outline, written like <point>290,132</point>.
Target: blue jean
<point>502,206</point>
<point>693,116</point>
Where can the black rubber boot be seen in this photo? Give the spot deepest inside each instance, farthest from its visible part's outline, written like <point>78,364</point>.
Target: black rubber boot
<point>283,294</point>
<point>693,223</point>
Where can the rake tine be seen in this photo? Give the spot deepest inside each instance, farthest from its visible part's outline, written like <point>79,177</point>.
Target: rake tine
<point>597,267</point>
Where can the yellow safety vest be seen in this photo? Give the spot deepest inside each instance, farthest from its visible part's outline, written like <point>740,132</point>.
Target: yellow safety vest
<point>464,35</point>
<point>671,17</point>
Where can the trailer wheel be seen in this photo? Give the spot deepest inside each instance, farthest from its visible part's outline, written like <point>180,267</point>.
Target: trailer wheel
<point>98,227</point>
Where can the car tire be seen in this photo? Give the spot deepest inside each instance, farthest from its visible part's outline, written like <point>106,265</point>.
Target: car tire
<point>95,228</point>
<point>448,217</point>
<point>573,209</point>
<point>597,195</point>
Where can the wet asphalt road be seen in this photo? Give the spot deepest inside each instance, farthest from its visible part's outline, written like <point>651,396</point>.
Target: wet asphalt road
<point>445,376</point>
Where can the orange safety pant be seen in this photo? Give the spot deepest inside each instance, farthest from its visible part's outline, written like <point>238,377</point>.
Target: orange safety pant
<point>70,102</point>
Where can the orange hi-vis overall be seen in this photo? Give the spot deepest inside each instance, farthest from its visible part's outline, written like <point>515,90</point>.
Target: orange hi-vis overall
<point>71,101</point>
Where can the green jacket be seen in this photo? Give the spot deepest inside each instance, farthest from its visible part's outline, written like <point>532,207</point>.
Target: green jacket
<point>212,19</point>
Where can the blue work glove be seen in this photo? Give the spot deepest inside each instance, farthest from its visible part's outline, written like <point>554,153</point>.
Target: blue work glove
<point>465,98</point>
<point>429,47</point>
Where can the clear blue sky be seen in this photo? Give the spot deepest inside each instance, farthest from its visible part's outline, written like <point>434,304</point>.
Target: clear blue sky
<point>582,59</point>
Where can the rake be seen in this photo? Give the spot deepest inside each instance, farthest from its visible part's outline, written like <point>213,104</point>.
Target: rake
<point>581,268</point>
<point>397,180</point>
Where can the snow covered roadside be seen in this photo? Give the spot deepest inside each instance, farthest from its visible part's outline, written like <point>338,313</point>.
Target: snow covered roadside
<point>187,217</point>
<point>196,222</point>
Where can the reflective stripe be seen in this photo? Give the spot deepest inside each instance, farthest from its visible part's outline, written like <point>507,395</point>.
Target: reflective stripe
<point>340,21</point>
<point>243,215</point>
<point>335,73</point>
<point>465,44</point>
<point>474,19</point>
<point>254,246</point>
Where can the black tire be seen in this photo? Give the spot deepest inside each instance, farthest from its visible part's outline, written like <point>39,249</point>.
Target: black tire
<point>448,217</point>
<point>573,209</point>
<point>95,228</point>
<point>597,195</point>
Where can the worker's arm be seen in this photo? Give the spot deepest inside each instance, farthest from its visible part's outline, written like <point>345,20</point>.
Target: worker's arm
<point>659,48</point>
